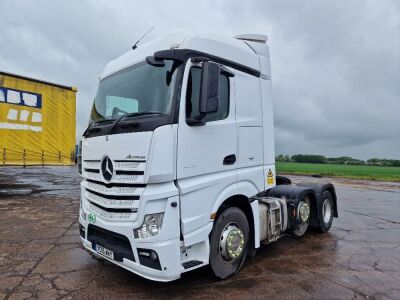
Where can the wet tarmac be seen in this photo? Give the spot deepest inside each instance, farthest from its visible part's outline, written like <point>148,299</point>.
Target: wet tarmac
<point>41,254</point>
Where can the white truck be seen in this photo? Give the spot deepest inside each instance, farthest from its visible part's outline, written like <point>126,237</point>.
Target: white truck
<point>178,160</point>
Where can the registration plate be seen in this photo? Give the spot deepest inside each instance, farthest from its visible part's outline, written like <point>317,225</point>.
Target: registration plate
<point>104,251</point>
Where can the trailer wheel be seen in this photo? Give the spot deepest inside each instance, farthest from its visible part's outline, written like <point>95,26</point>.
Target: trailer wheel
<point>326,212</point>
<point>229,242</point>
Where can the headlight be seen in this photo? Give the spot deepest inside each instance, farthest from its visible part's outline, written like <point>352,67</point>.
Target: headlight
<point>150,227</point>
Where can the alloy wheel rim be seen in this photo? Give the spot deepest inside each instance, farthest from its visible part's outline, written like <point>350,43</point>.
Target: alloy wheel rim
<point>231,242</point>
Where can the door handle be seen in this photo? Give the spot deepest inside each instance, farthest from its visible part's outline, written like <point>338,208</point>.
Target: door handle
<point>229,159</point>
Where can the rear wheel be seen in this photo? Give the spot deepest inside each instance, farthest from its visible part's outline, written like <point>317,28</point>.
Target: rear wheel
<point>303,212</point>
<point>326,212</point>
<point>229,242</point>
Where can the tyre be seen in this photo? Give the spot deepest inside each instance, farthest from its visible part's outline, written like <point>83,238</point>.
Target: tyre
<point>229,242</point>
<point>303,211</point>
<point>326,212</point>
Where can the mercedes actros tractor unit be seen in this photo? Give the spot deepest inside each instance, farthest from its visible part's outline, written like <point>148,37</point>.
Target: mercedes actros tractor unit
<point>178,161</point>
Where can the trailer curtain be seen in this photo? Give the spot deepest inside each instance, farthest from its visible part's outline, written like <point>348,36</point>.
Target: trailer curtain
<point>37,122</point>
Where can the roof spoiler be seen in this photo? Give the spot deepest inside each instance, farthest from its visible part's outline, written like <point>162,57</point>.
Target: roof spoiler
<point>259,38</point>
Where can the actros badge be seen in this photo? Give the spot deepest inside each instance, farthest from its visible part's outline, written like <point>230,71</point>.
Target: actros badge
<point>107,168</point>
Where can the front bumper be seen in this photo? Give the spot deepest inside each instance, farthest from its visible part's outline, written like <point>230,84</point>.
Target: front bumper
<point>117,234</point>
<point>118,237</point>
<point>170,266</point>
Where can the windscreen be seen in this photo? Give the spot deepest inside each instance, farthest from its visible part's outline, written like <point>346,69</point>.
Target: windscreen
<point>138,89</point>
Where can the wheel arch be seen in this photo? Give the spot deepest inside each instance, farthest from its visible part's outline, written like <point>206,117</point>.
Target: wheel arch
<point>295,193</point>
<point>320,188</point>
<point>244,189</point>
<point>243,203</point>
<point>241,200</point>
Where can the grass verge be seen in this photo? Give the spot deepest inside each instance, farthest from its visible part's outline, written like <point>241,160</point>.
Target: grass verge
<point>345,171</point>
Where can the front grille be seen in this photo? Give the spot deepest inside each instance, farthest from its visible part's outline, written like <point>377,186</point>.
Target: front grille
<point>114,189</point>
<point>115,210</point>
<point>117,200</point>
<point>129,172</point>
<point>111,216</point>
<point>113,197</point>
<point>126,171</point>
<point>117,243</point>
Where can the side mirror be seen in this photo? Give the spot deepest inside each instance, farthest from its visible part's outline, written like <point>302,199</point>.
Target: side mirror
<point>154,61</point>
<point>209,88</point>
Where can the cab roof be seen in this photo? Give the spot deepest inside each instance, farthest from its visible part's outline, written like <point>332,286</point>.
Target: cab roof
<point>241,50</point>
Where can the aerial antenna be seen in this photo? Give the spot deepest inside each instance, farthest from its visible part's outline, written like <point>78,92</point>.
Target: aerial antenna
<point>135,45</point>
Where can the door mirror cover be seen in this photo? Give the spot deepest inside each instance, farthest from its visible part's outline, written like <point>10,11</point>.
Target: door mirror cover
<point>209,97</point>
<point>154,61</point>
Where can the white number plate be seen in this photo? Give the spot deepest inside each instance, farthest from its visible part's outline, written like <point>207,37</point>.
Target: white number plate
<point>104,251</point>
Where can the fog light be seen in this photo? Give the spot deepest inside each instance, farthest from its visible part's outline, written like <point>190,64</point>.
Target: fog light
<point>151,226</point>
<point>153,255</point>
<point>149,258</point>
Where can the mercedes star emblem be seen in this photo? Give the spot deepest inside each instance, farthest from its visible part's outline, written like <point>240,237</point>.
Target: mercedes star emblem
<point>107,168</point>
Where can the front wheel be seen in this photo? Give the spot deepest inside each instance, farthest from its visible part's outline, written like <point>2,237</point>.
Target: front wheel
<point>229,242</point>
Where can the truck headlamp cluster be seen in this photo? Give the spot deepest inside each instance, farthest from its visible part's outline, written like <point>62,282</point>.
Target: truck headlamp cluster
<point>151,226</point>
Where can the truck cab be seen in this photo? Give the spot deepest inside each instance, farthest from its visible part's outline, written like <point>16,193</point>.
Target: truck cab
<point>178,161</point>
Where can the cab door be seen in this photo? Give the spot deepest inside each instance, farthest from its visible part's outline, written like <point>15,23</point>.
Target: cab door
<point>207,153</point>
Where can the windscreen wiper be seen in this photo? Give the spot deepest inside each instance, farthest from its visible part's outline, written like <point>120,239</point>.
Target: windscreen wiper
<point>129,115</point>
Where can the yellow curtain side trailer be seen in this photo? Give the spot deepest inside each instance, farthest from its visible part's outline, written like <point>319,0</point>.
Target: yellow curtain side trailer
<point>37,122</point>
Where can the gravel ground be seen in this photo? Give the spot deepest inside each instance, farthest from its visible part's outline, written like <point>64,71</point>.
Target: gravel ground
<point>41,254</point>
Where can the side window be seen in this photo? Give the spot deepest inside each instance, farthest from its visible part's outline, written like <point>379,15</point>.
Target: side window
<point>193,96</point>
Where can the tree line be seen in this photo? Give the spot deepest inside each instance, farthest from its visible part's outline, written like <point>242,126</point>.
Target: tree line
<point>342,160</point>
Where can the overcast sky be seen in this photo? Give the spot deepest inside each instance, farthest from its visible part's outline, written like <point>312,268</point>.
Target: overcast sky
<point>335,64</point>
